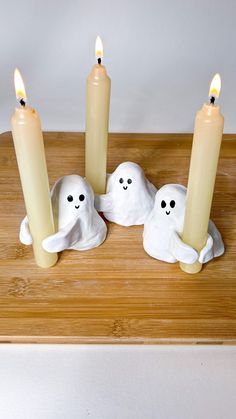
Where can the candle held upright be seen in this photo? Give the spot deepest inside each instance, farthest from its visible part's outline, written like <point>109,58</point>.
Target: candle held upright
<point>207,138</point>
<point>97,121</point>
<point>29,148</point>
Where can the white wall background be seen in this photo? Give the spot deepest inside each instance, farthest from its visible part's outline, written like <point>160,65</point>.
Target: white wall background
<point>121,382</point>
<point>160,55</point>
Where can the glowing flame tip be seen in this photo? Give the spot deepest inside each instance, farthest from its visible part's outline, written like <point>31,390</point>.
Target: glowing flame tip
<point>98,48</point>
<point>215,86</point>
<point>19,86</point>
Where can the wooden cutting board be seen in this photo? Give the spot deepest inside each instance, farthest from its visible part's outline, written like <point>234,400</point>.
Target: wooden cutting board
<point>117,293</point>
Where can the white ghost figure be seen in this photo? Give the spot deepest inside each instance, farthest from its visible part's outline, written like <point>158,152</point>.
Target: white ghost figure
<point>164,225</point>
<point>77,222</point>
<point>129,196</point>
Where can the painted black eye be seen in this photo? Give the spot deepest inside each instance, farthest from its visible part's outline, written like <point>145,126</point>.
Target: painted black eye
<point>172,204</point>
<point>70,198</point>
<point>129,181</point>
<point>163,204</point>
<point>81,197</point>
<point>121,180</point>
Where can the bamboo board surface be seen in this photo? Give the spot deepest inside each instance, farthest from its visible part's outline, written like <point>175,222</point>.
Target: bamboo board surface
<point>117,293</point>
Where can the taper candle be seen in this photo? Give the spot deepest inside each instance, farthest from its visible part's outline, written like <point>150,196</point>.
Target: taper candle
<point>207,138</point>
<point>29,148</point>
<point>97,119</point>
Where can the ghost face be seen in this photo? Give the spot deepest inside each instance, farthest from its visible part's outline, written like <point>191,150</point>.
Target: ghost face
<point>165,204</point>
<point>170,203</point>
<point>70,198</point>
<point>128,177</point>
<point>74,195</point>
<point>125,183</point>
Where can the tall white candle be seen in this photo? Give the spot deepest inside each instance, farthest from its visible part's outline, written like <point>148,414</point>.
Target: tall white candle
<point>29,148</point>
<point>97,120</point>
<point>207,138</point>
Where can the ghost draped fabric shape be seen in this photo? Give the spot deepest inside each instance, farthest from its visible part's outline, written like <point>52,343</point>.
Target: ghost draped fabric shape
<point>77,222</point>
<point>164,226</point>
<point>129,196</point>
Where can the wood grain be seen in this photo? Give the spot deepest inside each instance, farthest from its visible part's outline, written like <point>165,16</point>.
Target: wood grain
<point>117,293</point>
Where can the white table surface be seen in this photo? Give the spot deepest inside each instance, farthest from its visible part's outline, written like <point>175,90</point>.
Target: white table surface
<point>117,382</point>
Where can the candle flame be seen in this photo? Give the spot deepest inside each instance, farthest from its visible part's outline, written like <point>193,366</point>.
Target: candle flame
<point>98,48</point>
<point>215,86</point>
<point>19,86</point>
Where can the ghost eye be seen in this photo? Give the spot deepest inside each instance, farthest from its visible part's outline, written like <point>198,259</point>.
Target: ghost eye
<point>81,197</point>
<point>121,180</point>
<point>129,181</point>
<point>163,204</point>
<point>70,198</point>
<point>172,204</point>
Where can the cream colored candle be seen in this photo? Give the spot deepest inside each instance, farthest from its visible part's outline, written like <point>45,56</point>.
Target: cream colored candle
<point>29,147</point>
<point>97,119</point>
<point>207,137</point>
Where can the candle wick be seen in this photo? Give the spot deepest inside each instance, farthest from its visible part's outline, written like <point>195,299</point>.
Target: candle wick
<point>212,100</point>
<point>22,102</point>
<point>99,60</point>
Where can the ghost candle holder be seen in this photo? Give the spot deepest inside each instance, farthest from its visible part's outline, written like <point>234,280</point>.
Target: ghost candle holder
<point>129,196</point>
<point>164,226</point>
<point>78,225</point>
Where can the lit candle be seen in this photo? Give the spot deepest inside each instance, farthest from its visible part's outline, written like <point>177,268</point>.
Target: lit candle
<point>29,148</point>
<point>97,119</point>
<point>207,138</point>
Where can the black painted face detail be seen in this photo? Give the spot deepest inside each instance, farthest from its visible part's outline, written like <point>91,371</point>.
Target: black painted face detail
<point>129,181</point>
<point>70,198</point>
<point>163,204</point>
<point>81,197</point>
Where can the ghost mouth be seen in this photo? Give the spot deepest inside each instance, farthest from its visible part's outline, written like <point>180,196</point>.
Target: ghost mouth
<point>77,206</point>
<point>125,187</point>
<point>167,212</point>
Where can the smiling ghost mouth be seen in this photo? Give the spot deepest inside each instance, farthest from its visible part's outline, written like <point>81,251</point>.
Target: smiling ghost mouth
<point>77,206</point>
<point>125,187</point>
<point>167,212</point>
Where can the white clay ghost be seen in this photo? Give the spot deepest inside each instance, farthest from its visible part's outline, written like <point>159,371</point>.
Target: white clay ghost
<point>164,225</point>
<point>129,196</point>
<point>77,222</point>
